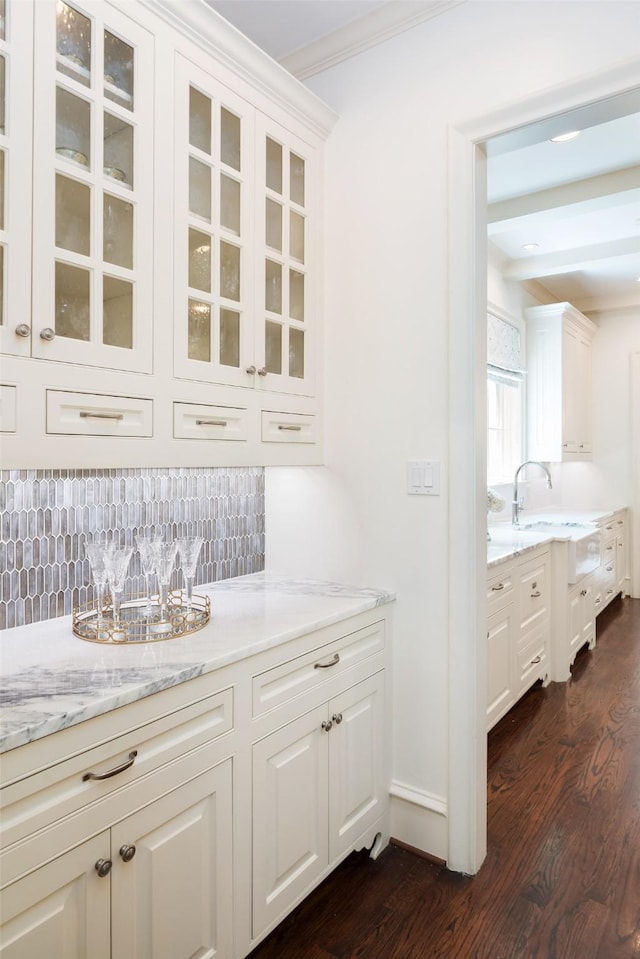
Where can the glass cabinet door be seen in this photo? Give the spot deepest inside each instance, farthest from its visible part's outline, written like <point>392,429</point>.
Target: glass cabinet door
<point>213,223</point>
<point>16,92</point>
<point>285,278</point>
<point>92,292</point>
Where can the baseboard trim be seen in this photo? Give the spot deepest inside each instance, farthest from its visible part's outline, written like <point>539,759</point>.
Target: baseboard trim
<point>419,821</point>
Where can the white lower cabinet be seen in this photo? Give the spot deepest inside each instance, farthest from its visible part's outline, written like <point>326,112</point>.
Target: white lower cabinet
<point>518,630</point>
<point>116,895</point>
<point>582,617</point>
<point>62,910</point>
<point>319,785</point>
<point>188,823</point>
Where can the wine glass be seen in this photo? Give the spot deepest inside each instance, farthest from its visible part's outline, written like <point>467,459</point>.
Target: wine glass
<point>117,563</point>
<point>165,557</point>
<point>189,549</point>
<point>145,543</point>
<point>96,553</point>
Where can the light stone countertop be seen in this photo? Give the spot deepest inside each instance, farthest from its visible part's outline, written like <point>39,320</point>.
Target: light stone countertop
<point>507,542</point>
<point>51,679</point>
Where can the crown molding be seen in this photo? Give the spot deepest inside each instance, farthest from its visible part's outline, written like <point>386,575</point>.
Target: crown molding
<point>212,33</point>
<point>362,34</point>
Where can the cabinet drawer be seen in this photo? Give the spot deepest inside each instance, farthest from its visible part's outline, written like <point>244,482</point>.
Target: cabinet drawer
<point>531,661</point>
<point>194,422</point>
<point>8,409</point>
<point>91,414</point>
<point>281,683</point>
<point>534,594</point>
<point>500,590</point>
<point>288,427</point>
<point>47,796</point>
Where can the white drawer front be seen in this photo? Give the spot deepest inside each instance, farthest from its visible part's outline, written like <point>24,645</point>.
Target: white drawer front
<point>288,427</point>
<point>90,414</point>
<point>282,683</point>
<point>8,409</point>
<point>194,422</point>
<point>47,796</point>
<point>500,590</point>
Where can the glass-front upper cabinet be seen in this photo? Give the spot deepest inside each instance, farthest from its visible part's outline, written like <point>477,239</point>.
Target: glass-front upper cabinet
<point>16,99</point>
<point>285,277</point>
<point>93,187</point>
<point>213,228</point>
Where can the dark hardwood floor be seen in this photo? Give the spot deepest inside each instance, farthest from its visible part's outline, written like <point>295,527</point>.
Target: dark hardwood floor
<point>562,875</point>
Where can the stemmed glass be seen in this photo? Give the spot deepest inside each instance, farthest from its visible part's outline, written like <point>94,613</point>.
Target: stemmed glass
<point>189,550</point>
<point>96,553</point>
<point>117,563</point>
<point>145,543</point>
<point>165,557</point>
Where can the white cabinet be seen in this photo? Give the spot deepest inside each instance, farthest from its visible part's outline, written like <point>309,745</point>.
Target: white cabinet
<point>581,616</point>
<point>166,200</point>
<point>559,383</point>
<point>61,910</point>
<point>190,822</point>
<point>611,579</point>
<point>98,848</point>
<point>518,630</point>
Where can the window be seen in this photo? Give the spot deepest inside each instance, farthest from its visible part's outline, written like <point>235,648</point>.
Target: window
<point>505,397</point>
<point>504,425</point>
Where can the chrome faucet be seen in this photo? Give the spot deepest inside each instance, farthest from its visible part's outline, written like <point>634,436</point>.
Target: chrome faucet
<point>518,504</point>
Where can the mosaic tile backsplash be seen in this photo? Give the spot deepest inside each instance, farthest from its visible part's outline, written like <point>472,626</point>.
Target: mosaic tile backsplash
<point>46,517</point>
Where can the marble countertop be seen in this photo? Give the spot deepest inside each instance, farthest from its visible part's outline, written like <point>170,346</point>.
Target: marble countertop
<point>51,679</point>
<point>507,542</point>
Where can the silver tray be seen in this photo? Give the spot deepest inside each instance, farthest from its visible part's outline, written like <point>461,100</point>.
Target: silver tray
<point>134,626</point>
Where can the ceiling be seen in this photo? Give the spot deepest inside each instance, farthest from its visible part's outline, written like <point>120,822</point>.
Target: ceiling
<point>578,201</point>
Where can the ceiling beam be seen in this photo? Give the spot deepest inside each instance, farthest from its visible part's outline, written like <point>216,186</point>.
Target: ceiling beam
<point>597,192</point>
<point>569,261</point>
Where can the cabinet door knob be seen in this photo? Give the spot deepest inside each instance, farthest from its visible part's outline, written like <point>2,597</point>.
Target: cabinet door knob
<point>583,592</point>
<point>103,867</point>
<point>326,725</point>
<point>127,852</point>
<point>251,370</point>
<point>23,329</point>
<point>262,371</point>
<point>337,718</point>
<point>47,333</point>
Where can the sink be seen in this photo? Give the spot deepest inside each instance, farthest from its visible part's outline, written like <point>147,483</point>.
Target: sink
<point>584,542</point>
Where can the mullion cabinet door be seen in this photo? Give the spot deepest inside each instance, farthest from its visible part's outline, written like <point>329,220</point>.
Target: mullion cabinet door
<point>93,187</point>
<point>286,267</point>
<point>16,99</point>
<point>213,338</point>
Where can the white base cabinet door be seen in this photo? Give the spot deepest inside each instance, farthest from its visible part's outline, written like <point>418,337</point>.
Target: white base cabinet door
<point>172,874</point>
<point>318,786</point>
<point>500,641</point>
<point>62,910</point>
<point>356,773</point>
<point>290,810</point>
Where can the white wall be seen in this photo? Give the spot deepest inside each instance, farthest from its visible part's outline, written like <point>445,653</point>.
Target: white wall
<point>386,335</point>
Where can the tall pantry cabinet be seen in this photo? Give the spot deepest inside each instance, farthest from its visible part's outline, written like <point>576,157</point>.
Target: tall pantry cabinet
<point>160,241</point>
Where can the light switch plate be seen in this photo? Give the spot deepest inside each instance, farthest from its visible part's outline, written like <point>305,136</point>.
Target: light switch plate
<point>423,477</point>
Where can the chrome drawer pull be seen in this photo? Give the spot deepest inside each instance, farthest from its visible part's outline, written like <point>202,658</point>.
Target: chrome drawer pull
<point>535,661</point>
<point>498,587</point>
<point>292,429</point>
<point>116,769</point>
<point>86,415</point>
<point>333,662</point>
<point>536,594</point>
<point>211,423</point>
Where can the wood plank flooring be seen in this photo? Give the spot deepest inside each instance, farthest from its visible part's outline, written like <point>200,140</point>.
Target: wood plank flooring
<point>562,875</point>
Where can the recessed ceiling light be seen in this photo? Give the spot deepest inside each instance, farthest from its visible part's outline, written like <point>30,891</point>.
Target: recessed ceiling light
<point>528,247</point>
<point>566,137</point>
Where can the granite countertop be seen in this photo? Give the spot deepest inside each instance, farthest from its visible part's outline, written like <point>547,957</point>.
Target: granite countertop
<point>51,679</point>
<point>507,542</point>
